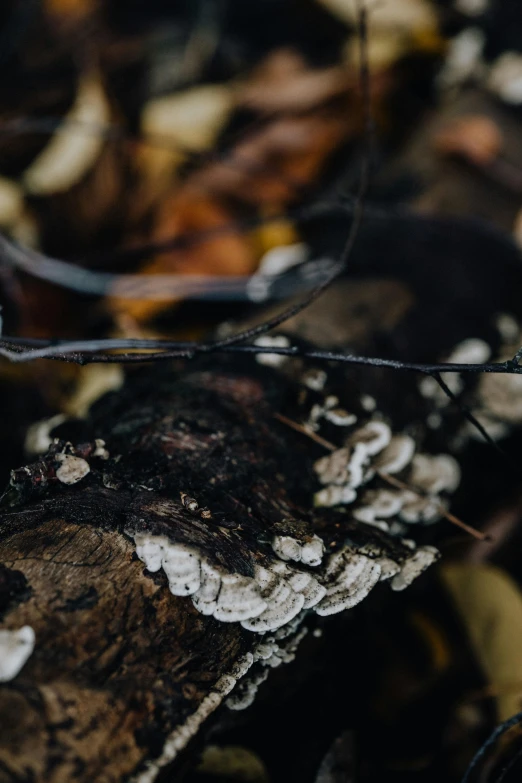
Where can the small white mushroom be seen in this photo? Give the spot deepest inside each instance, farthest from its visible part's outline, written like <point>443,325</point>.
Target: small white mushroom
<point>379,504</point>
<point>15,649</point>
<point>314,379</point>
<point>150,550</point>
<point>239,599</point>
<point>331,469</point>
<point>72,469</point>
<point>340,417</point>
<point>287,548</point>
<point>508,328</point>
<point>423,557</point>
<point>100,450</point>
<point>182,567</point>
<point>343,467</point>
<point>435,474</point>
<point>470,351</point>
<point>502,396</point>
<point>312,551</point>
<point>374,436</point>
<point>319,411</point>
<point>396,455</point>
<point>334,496</point>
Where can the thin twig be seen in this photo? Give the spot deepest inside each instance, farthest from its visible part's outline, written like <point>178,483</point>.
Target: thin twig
<point>90,351</point>
<point>395,482</point>
<point>305,431</point>
<point>468,414</point>
<point>490,742</point>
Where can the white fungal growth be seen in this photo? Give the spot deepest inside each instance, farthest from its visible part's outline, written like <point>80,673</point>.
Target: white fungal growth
<point>100,450</point>
<point>276,598</point>
<point>312,551</point>
<point>389,568</point>
<point>415,565</point>
<point>340,417</point>
<point>320,411</point>
<point>150,550</point>
<point>417,508</point>
<point>435,474</point>
<point>374,436</point>
<point>182,567</point>
<point>314,379</point>
<point>343,467</point>
<point>396,455</point>
<point>285,604</point>
<point>470,351</point>
<point>502,396</point>
<point>348,580</point>
<point>205,598</point>
<point>286,547</point>
<point>244,694</point>
<point>181,736</point>
<point>508,328</point>
<point>72,469</point>
<point>270,653</point>
<point>239,599</point>
<point>334,496</point>
<point>272,341</point>
<point>15,649</point>
<point>378,504</point>
<point>307,585</point>
<point>308,552</point>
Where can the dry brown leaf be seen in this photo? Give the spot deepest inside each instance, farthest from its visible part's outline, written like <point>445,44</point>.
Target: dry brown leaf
<point>284,82</point>
<point>222,254</point>
<point>275,163</point>
<point>75,146</point>
<point>188,121</point>
<point>475,137</point>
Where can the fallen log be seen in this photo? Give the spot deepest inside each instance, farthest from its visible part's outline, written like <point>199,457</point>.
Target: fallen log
<point>242,522</point>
